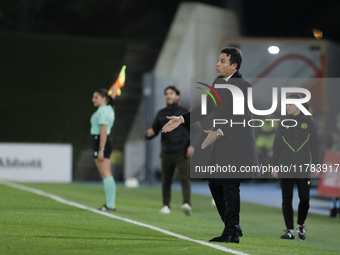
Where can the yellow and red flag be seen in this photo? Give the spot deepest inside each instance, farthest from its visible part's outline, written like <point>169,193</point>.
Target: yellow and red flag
<point>120,82</point>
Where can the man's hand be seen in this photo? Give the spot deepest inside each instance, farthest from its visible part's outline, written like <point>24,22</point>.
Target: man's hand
<point>150,132</point>
<point>172,124</point>
<point>275,172</point>
<point>100,155</point>
<point>190,151</point>
<point>210,138</point>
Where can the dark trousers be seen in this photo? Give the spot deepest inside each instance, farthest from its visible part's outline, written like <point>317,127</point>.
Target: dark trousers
<point>287,186</point>
<point>170,162</point>
<point>227,199</point>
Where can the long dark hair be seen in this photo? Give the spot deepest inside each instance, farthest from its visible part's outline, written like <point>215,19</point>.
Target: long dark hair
<point>306,105</point>
<point>103,93</point>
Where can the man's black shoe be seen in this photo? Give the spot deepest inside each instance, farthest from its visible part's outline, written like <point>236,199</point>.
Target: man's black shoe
<point>235,239</point>
<point>238,231</point>
<point>229,239</point>
<point>216,239</point>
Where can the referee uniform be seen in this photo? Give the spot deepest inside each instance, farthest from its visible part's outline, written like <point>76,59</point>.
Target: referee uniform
<point>105,115</point>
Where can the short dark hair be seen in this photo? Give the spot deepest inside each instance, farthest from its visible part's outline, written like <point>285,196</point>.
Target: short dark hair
<point>298,96</point>
<point>235,56</point>
<point>174,88</point>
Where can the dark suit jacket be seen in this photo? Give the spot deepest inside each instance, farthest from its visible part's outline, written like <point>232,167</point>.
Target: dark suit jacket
<point>237,147</point>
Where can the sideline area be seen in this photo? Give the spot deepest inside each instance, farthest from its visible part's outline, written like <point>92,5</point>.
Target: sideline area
<point>268,194</point>
<point>43,225</point>
<point>70,203</point>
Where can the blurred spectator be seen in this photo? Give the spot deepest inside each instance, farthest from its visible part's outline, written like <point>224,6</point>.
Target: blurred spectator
<point>264,141</point>
<point>176,150</point>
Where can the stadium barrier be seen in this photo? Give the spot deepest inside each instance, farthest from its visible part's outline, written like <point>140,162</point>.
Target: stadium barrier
<point>32,162</point>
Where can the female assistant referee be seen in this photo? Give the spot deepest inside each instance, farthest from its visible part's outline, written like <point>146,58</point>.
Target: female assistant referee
<point>296,147</point>
<point>101,124</point>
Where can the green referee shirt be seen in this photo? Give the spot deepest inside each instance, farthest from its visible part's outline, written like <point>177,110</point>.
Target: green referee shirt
<point>105,115</point>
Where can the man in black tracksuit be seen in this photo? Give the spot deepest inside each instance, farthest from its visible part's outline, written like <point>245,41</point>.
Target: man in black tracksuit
<point>293,147</point>
<point>175,150</point>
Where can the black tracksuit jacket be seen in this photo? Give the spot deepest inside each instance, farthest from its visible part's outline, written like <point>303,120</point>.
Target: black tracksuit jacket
<point>177,140</point>
<point>297,145</point>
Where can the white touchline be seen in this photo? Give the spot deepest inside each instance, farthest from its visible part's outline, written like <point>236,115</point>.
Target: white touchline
<point>61,200</point>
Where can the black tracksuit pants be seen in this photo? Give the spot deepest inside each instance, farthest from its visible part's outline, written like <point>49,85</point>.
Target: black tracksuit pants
<point>287,186</point>
<point>170,162</point>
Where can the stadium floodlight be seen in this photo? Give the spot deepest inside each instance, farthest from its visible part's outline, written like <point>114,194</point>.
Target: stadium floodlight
<point>273,49</point>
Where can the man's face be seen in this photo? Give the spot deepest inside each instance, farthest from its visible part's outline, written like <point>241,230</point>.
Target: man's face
<point>292,109</point>
<point>171,97</point>
<point>223,67</point>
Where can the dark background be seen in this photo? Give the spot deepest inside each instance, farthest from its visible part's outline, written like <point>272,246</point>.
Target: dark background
<point>55,53</point>
<point>150,19</point>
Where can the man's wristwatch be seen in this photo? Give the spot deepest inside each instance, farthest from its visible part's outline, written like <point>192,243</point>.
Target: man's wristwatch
<point>218,136</point>
<point>101,149</point>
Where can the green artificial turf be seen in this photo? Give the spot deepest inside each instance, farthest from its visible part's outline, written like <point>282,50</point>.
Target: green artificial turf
<point>33,224</point>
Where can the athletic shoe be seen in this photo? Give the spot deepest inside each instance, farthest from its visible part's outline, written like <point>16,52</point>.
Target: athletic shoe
<point>288,235</point>
<point>302,234</point>
<point>186,208</point>
<point>104,208</point>
<point>165,210</point>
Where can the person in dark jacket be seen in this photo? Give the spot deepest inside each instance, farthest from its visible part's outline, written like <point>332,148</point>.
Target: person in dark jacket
<point>294,147</point>
<point>176,150</point>
<point>233,145</point>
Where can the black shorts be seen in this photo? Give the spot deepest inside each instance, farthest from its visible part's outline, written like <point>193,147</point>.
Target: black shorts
<point>95,146</point>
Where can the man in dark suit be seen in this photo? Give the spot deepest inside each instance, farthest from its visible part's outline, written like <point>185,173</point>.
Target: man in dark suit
<point>234,144</point>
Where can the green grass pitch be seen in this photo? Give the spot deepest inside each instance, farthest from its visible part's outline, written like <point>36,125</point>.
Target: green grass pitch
<point>33,224</point>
